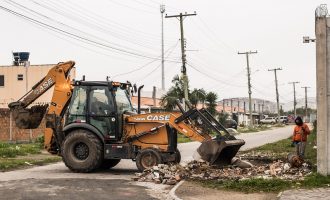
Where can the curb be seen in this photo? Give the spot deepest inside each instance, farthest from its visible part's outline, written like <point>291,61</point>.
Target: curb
<point>172,191</point>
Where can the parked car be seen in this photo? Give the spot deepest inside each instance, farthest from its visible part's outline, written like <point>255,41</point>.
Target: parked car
<point>283,119</point>
<point>230,123</point>
<point>268,120</point>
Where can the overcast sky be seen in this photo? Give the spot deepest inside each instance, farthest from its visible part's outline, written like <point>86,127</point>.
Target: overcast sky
<point>122,39</point>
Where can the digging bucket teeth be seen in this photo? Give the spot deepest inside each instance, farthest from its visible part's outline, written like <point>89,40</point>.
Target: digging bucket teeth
<point>29,118</point>
<point>219,152</point>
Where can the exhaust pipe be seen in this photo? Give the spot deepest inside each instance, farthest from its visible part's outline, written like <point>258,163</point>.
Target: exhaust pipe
<point>139,99</point>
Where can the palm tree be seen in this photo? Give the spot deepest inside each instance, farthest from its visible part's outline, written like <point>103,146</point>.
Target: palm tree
<point>175,92</point>
<point>211,102</point>
<point>197,96</point>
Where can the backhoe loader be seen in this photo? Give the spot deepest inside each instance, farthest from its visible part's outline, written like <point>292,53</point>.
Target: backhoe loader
<point>92,124</point>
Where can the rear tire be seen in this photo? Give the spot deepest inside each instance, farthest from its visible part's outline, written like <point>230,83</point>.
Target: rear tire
<point>109,163</point>
<point>82,151</point>
<point>148,158</point>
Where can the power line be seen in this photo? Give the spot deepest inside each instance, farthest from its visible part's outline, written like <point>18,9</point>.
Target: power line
<point>86,40</point>
<point>211,77</point>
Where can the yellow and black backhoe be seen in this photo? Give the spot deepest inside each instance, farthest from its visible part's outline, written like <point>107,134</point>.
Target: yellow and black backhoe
<point>92,124</point>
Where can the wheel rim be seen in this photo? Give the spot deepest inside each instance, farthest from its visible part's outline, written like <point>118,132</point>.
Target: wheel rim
<point>148,160</point>
<point>81,151</point>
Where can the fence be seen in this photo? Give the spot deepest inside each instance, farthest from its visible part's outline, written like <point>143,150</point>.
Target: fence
<point>9,131</point>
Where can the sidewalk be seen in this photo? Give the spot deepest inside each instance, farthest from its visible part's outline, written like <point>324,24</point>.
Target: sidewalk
<point>193,191</point>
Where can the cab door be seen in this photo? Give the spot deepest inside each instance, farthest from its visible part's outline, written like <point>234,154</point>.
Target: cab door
<point>102,113</point>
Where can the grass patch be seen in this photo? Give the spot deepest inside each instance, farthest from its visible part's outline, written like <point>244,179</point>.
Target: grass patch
<point>314,180</point>
<point>253,129</point>
<point>14,156</point>
<point>13,150</point>
<point>7,164</point>
<point>249,185</point>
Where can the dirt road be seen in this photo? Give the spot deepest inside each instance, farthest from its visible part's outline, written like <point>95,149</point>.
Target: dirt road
<point>55,181</point>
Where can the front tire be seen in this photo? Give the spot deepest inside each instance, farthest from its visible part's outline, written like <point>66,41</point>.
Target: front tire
<point>148,158</point>
<point>82,151</point>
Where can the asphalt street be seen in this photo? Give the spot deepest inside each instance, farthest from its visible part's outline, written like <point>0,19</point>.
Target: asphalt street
<point>55,181</point>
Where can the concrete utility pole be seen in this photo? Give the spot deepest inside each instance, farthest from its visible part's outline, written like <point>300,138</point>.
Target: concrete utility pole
<point>247,53</point>
<point>322,33</point>
<point>277,96</point>
<point>183,54</point>
<point>294,97</point>
<point>306,106</point>
<point>162,10</point>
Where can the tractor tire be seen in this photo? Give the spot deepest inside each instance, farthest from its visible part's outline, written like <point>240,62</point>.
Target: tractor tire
<point>109,163</point>
<point>82,151</point>
<point>148,158</point>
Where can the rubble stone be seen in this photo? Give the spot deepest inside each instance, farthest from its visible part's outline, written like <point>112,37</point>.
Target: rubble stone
<point>263,167</point>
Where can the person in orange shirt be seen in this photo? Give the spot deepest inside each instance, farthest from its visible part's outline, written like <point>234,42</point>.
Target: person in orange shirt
<point>299,138</point>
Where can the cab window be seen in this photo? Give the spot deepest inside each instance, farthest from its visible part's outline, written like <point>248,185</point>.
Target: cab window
<point>122,100</point>
<point>77,108</point>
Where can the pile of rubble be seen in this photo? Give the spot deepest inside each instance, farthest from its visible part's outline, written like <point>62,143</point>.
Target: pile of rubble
<point>171,174</point>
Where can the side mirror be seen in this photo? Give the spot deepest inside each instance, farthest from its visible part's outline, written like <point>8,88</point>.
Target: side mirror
<point>135,88</point>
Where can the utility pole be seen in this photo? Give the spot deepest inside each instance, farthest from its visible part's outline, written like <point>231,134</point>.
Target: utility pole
<point>247,53</point>
<point>277,96</point>
<point>305,102</point>
<point>183,54</point>
<point>162,10</point>
<point>223,105</point>
<point>294,97</point>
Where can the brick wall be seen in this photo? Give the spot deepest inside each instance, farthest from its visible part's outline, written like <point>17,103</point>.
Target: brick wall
<point>17,134</point>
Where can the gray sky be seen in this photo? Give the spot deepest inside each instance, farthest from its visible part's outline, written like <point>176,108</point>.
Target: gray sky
<point>221,28</point>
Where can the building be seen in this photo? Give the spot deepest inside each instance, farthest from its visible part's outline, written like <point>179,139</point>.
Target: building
<point>17,80</point>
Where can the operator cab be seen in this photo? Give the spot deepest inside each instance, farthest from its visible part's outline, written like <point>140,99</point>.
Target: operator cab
<point>101,105</point>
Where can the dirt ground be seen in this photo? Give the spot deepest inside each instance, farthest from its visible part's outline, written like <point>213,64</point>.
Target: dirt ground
<point>192,191</point>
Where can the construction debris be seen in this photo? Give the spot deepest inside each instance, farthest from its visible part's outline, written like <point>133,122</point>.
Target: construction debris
<point>196,170</point>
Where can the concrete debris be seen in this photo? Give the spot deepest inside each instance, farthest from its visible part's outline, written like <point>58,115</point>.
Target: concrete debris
<point>239,170</point>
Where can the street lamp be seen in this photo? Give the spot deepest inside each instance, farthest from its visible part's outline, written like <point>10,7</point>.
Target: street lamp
<point>306,39</point>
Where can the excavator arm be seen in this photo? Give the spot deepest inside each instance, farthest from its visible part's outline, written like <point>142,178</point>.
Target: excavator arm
<point>30,118</point>
<point>196,124</point>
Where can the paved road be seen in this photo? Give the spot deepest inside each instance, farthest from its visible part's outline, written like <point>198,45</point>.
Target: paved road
<point>252,140</point>
<point>56,181</point>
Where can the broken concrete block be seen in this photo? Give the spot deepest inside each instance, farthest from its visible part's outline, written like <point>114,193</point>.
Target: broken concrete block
<point>241,163</point>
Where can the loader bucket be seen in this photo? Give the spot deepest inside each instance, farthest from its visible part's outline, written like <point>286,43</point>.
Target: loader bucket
<point>29,118</point>
<point>219,152</point>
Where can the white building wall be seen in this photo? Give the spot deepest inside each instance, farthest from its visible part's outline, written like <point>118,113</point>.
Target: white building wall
<point>14,89</point>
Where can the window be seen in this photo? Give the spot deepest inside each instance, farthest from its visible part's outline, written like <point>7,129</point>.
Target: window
<point>123,102</point>
<point>2,80</point>
<point>20,77</point>
<point>99,101</point>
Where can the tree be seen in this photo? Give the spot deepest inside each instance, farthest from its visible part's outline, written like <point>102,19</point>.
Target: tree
<point>197,96</point>
<point>222,117</point>
<point>211,102</point>
<point>175,92</point>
